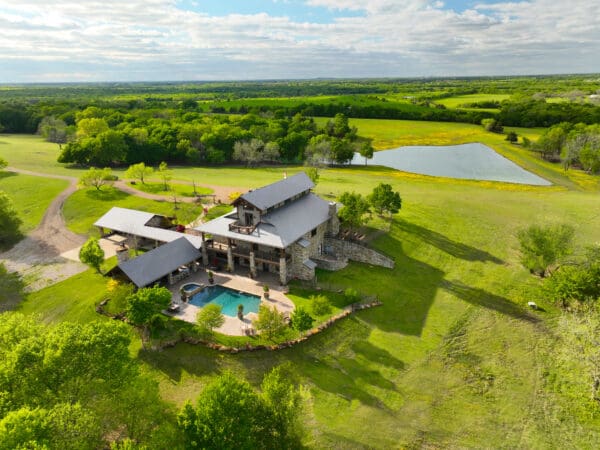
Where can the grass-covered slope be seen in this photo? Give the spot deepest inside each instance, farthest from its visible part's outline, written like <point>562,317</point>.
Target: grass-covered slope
<point>30,196</point>
<point>452,359</point>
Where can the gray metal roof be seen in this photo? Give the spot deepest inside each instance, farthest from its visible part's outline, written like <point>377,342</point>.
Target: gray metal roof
<point>131,221</point>
<point>281,227</point>
<point>272,194</point>
<point>160,262</point>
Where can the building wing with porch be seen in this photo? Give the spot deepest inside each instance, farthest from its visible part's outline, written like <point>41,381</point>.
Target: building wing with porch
<point>277,228</point>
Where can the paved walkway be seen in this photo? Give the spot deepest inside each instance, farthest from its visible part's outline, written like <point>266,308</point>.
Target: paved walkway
<point>234,326</point>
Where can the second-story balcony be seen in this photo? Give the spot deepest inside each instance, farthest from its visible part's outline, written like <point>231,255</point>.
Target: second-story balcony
<point>259,256</point>
<point>237,227</point>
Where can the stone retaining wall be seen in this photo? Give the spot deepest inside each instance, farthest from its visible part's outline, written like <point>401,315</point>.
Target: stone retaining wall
<point>357,252</point>
<point>249,347</point>
<point>331,264</point>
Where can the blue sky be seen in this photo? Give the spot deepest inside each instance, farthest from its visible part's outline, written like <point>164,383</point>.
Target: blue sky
<point>153,40</point>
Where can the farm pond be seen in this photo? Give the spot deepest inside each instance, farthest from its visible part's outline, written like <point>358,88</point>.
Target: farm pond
<point>467,161</point>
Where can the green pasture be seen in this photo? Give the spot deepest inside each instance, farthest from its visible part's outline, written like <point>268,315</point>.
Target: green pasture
<point>460,100</point>
<point>30,195</point>
<point>453,358</point>
<point>86,206</point>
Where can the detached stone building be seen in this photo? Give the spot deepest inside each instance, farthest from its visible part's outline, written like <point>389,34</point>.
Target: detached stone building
<point>277,228</point>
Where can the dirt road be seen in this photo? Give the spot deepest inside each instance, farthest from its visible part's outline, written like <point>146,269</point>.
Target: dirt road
<point>38,257</point>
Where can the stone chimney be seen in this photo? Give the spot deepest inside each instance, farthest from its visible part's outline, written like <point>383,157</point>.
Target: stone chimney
<point>333,226</point>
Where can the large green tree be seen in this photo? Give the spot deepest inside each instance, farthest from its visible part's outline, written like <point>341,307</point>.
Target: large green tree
<point>270,322</point>
<point>139,172</point>
<point>210,317</point>
<point>144,304</point>
<point>354,210</point>
<point>229,414</point>
<point>97,177</point>
<point>544,246</point>
<point>92,254</point>
<point>72,386</point>
<point>384,199</point>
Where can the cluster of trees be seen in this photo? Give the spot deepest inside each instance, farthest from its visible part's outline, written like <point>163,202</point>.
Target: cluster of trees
<point>547,251</point>
<point>529,112</point>
<point>383,199</point>
<point>105,137</point>
<point>230,414</point>
<point>75,386</point>
<point>575,145</point>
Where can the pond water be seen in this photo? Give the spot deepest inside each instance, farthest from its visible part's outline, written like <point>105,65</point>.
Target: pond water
<point>468,161</point>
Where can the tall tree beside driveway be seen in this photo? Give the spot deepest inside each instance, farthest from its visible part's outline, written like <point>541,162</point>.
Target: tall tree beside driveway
<point>92,254</point>
<point>139,172</point>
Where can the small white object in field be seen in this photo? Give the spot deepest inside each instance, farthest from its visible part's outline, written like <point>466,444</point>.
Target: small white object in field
<point>532,305</point>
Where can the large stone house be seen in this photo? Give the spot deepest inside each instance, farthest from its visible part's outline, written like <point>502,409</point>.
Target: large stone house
<point>277,228</point>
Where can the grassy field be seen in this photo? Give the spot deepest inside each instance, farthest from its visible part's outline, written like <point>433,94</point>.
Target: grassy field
<point>458,101</point>
<point>30,195</point>
<point>452,359</point>
<point>86,206</point>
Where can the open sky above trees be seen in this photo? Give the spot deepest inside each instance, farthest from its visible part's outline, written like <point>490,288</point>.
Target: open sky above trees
<point>150,40</point>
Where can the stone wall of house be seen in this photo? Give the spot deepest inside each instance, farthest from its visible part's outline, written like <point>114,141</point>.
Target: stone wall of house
<point>297,269</point>
<point>356,252</point>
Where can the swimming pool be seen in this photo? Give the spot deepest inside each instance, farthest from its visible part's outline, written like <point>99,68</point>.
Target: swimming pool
<point>227,299</point>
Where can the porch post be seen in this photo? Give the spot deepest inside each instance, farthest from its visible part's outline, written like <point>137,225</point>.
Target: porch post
<point>282,268</point>
<point>252,265</point>
<point>230,256</point>
<point>204,252</point>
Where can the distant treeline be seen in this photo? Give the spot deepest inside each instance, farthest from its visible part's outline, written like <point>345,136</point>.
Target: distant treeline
<point>108,137</point>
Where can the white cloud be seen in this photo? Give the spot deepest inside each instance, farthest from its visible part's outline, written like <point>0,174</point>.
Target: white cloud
<point>155,40</point>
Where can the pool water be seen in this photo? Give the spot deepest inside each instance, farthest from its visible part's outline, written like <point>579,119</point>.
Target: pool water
<point>468,161</point>
<point>227,299</point>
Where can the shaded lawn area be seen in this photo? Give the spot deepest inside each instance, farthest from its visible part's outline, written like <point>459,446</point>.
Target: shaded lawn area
<point>86,206</point>
<point>30,196</point>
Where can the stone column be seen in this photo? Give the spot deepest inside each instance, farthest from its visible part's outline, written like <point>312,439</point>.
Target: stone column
<point>230,259</point>
<point>283,271</point>
<point>204,254</point>
<point>252,265</point>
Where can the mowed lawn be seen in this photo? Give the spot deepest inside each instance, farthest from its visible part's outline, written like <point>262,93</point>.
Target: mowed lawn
<point>30,196</point>
<point>453,358</point>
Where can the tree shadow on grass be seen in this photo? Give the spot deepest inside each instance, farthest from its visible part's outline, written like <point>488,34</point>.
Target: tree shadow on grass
<point>376,354</point>
<point>480,297</point>
<point>196,360</point>
<point>7,174</point>
<point>453,248</point>
<point>106,194</point>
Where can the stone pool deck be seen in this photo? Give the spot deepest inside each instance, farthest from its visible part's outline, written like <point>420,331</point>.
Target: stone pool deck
<point>233,326</point>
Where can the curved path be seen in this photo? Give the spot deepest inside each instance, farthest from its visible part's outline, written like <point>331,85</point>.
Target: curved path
<point>38,256</point>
